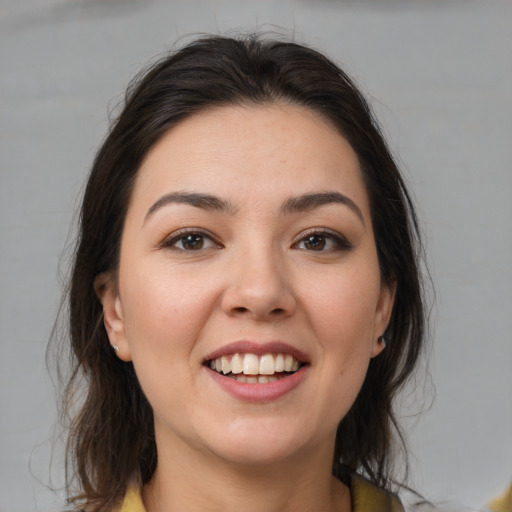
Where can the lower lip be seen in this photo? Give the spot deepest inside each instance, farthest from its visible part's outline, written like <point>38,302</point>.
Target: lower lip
<point>264,392</point>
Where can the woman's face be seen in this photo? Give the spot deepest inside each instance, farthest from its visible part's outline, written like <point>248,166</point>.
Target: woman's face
<point>247,251</point>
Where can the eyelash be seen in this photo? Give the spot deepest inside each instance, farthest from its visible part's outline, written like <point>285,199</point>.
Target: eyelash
<point>340,242</point>
<point>182,234</point>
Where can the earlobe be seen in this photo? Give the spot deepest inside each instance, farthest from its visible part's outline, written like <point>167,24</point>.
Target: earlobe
<point>113,319</point>
<point>378,346</point>
<point>382,316</point>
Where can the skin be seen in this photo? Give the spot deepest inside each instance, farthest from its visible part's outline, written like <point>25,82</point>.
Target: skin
<point>257,276</point>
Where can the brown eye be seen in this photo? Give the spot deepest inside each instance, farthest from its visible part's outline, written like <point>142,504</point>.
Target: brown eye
<point>190,241</point>
<point>314,243</point>
<point>322,241</point>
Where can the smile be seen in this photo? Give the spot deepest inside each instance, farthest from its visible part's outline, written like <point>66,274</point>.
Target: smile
<point>254,369</point>
<point>257,372</point>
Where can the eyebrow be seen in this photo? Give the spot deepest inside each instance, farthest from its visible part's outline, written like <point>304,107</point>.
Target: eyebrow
<point>307,202</point>
<point>302,203</point>
<point>205,201</point>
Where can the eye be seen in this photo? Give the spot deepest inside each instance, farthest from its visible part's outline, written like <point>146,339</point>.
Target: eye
<point>322,241</point>
<point>190,241</point>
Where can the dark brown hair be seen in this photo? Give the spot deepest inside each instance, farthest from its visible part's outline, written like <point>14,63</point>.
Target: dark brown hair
<point>111,432</point>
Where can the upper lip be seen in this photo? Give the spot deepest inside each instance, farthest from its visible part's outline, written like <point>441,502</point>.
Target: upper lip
<point>251,347</point>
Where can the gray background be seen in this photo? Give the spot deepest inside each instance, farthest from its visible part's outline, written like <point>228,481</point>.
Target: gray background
<point>439,74</point>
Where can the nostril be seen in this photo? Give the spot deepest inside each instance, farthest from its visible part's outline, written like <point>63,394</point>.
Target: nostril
<point>241,309</point>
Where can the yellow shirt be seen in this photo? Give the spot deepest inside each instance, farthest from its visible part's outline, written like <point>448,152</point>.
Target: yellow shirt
<point>503,503</point>
<point>365,498</point>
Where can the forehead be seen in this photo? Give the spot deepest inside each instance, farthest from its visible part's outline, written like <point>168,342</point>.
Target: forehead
<point>253,153</point>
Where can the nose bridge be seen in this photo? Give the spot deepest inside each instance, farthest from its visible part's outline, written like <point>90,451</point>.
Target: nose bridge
<point>259,286</point>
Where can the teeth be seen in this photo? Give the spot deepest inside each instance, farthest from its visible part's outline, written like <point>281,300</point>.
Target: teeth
<point>251,364</point>
<point>264,368</point>
<point>279,363</point>
<point>254,379</point>
<point>236,364</point>
<point>267,365</point>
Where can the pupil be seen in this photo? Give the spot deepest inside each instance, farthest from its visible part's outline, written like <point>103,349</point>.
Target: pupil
<point>193,242</point>
<point>315,242</point>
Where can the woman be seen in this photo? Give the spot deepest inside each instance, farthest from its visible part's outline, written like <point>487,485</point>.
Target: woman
<point>245,299</point>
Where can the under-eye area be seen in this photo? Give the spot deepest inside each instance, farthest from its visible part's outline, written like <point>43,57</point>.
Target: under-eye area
<point>255,369</point>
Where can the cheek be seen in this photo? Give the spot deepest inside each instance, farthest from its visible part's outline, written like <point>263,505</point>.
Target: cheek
<point>343,310</point>
<point>342,313</point>
<point>163,318</point>
<point>164,310</point>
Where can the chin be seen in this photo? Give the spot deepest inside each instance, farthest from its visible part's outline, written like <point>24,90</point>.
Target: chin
<point>255,455</point>
<point>259,443</point>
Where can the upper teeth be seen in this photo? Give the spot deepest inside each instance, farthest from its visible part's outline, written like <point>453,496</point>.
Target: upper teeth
<point>251,364</point>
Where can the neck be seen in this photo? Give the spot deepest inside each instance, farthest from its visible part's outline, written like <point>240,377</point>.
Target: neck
<point>198,481</point>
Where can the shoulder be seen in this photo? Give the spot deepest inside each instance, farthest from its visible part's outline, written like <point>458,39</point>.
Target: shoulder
<point>366,497</point>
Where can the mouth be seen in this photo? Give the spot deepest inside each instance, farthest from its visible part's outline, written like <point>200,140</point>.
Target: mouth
<point>258,372</point>
<point>253,368</point>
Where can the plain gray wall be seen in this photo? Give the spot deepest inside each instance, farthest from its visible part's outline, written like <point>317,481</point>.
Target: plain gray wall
<point>439,75</point>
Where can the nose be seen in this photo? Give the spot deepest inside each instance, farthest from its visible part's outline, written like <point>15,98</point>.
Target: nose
<point>259,288</point>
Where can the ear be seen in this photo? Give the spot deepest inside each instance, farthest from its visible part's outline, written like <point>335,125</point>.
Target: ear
<point>113,319</point>
<point>382,316</point>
